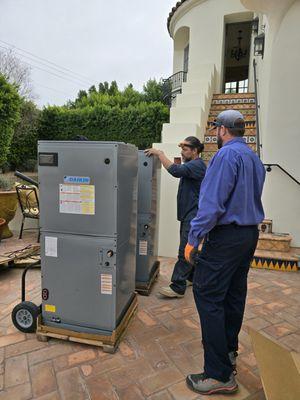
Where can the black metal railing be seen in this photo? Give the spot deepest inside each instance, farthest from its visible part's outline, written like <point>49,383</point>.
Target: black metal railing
<point>173,86</point>
<point>257,106</point>
<point>269,169</point>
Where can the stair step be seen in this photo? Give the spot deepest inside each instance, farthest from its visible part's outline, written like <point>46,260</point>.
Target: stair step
<point>276,260</point>
<point>274,242</point>
<point>248,132</point>
<point>245,112</point>
<point>233,101</point>
<point>213,146</point>
<point>246,118</point>
<point>248,95</point>
<point>248,124</point>
<point>222,107</point>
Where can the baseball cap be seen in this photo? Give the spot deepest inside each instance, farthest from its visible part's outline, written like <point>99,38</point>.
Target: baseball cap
<point>229,119</point>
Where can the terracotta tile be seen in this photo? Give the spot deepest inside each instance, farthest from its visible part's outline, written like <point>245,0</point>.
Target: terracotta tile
<point>99,366</point>
<point>139,368</point>
<point>20,392</point>
<point>50,396</point>
<point>161,380</point>
<point>119,378</point>
<point>180,391</point>
<point>153,353</point>
<point>130,393</point>
<point>248,379</point>
<point>16,371</point>
<point>11,339</point>
<point>193,347</point>
<point>71,385</point>
<point>249,359</point>
<point>128,349</point>
<point>276,306</point>
<point>257,323</point>
<point>100,388</point>
<point>81,357</point>
<point>86,369</point>
<point>43,379</point>
<point>48,353</point>
<point>162,395</point>
<point>280,330</point>
<point>145,318</point>
<point>182,312</point>
<point>24,347</point>
<point>292,341</point>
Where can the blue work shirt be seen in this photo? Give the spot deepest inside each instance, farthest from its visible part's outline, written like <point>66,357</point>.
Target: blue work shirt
<point>231,190</point>
<point>191,175</point>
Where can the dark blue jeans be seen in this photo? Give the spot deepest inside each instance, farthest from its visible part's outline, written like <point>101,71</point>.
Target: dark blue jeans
<point>220,290</point>
<point>182,269</point>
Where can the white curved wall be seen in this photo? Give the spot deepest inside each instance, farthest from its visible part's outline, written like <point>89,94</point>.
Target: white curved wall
<point>281,138</point>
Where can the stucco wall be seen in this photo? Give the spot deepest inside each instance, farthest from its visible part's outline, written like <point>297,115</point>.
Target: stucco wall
<point>279,89</point>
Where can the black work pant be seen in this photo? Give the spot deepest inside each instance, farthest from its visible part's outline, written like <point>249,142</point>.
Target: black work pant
<point>220,289</point>
<point>182,270</point>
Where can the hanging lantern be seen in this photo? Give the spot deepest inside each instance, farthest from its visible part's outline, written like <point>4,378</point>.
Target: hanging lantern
<point>259,45</point>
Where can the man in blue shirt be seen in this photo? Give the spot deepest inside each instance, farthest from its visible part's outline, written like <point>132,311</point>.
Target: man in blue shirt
<point>191,174</point>
<point>230,209</point>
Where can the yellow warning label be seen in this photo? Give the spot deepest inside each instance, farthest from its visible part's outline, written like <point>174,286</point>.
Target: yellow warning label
<point>50,308</point>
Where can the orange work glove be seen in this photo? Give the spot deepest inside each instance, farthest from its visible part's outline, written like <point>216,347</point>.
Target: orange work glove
<point>188,252</point>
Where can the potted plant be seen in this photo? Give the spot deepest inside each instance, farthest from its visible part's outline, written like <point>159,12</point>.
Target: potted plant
<point>8,204</point>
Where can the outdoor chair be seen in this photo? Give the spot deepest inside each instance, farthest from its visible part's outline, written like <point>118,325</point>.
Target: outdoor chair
<point>29,204</point>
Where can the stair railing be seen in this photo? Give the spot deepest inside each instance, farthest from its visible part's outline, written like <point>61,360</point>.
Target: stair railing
<point>269,169</point>
<point>172,86</point>
<point>257,107</point>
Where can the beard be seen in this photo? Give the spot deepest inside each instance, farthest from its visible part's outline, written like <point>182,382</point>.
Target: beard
<point>219,142</point>
<point>186,159</point>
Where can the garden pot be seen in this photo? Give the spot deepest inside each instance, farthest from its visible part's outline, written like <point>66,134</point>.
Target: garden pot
<point>2,225</point>
<point>8,208</point>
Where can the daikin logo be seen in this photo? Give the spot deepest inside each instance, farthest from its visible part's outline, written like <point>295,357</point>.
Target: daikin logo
<point>83,180</point>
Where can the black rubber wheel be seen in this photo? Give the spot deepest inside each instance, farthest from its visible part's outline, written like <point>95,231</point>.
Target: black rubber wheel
<point>24,316</point>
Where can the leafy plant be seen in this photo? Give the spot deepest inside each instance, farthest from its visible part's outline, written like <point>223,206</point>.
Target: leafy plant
<point>9,116</point>
<point>5,183</point>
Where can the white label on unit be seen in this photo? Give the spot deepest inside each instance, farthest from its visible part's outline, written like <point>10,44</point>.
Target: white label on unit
<point>143,247</point>
<point>106,284</point>
<point>50,246</point>
<point>77,199</point>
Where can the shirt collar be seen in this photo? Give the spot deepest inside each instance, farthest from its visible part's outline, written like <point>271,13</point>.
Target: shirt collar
<point>235,140</point>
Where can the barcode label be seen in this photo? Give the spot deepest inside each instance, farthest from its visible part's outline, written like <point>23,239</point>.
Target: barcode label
<point>143,247</point>
<point>106,284</point>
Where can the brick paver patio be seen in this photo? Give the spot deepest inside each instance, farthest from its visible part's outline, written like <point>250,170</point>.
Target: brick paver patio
<point>161,347</point>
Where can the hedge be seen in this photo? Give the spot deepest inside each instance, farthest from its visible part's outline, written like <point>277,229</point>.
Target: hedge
<point>9,116</point>
<point>140,124</point>
<point>23,147</point>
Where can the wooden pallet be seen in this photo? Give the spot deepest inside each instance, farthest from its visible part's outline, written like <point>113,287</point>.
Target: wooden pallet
<point>144,288</point>
<point>109,343</point>
<point>30,252</point>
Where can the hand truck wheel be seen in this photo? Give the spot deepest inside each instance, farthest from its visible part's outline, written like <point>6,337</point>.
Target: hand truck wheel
<point>24,316</point>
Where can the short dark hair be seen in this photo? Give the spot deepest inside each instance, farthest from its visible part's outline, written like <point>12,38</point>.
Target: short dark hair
<point>239,128</point>
<point>195,143</point>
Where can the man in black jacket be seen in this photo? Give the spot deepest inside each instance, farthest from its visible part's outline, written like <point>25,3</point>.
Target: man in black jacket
<point>191,174</point>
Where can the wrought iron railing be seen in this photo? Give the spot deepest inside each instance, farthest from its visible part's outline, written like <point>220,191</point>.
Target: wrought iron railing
<point>173,86</point>
<point>269,169</point>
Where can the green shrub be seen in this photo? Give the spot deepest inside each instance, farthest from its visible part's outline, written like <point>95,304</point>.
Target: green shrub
<point>140,124</point>
<point>9,116</point>
<point>23,147</point>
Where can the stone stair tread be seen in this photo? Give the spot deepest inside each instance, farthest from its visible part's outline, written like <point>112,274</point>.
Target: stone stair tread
<point>281,237</point>
<point>218,96</point>
<point>292,255</point>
